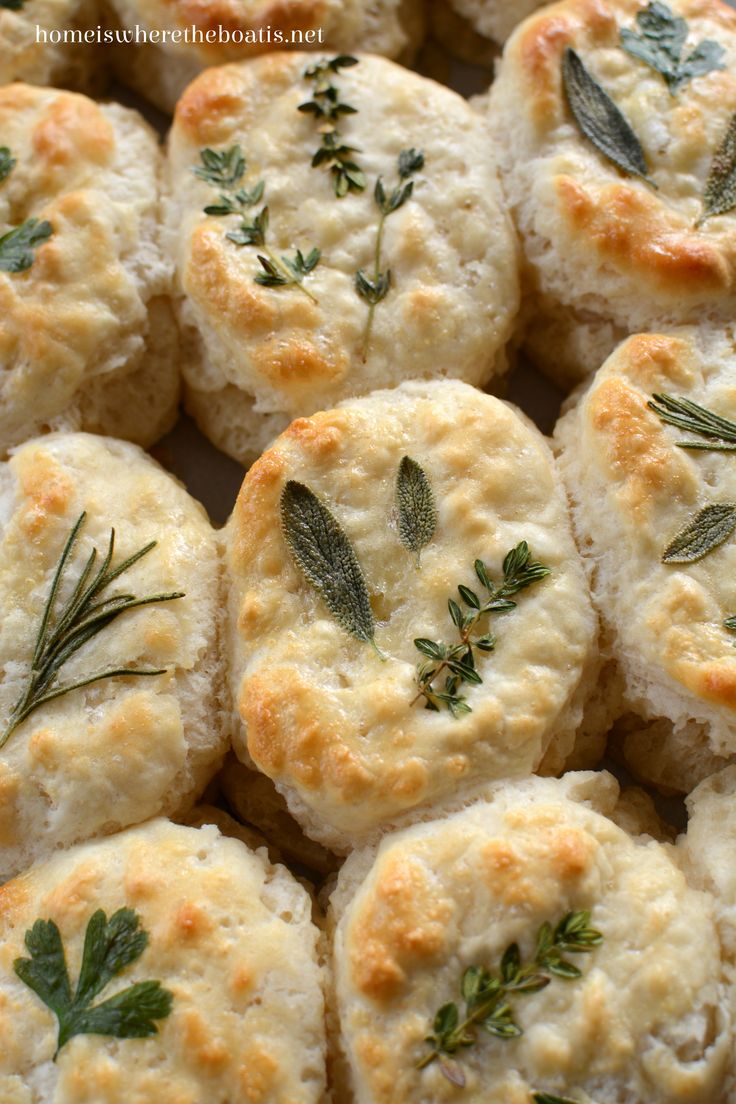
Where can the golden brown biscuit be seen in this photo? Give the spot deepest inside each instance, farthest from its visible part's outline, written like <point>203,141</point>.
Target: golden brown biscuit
<point>256,356</point>
<point>647,1019</point>
<point>87,338</point>
<point>240,30</point>
<point>342,730</point>
<point>228,937</point>
<point>472,30</point>
<point>121,749</point>
<point>40,42</point>
<point>608,253</point>
<point>661,573</point>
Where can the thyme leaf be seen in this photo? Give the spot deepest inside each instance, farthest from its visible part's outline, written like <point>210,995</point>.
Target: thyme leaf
<point>328,109</point>
<point>660,43</point>
<point>7,163</point>
<point>81,617</point>
<point>373,289</point>
<point>109,947</point>
<point>18,245</point>
<point>221,168</point>
<point>459,659</point>
<point>323,552</point>
<point>485,992</point>
<point>415,502</point>
<point>600,120</point>
<point>710,528</point>
<point>719,196</point>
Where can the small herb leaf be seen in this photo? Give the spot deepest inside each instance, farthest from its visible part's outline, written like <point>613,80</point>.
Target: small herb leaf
<point>719,196</point>
<point>327,109</point>
<point>660,44</point>
<point>327,559</point>
<point>709,529</point>
<point>415,501</point>
<point>599,118</point>
<point>18,245</point>
<point>7,163</point>
<point>109,947</point>
<point>221,168</point>
<point>12,5</point>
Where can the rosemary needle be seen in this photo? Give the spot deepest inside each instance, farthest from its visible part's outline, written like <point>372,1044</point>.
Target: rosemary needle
<point>85,614</point>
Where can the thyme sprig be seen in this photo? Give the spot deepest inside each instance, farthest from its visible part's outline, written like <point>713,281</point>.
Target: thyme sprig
<point>328,109</point>
<point>459,659</point>
<point>485,992</point>
<point>81,617</point>
<point>225,169</point>
<point>376,287</point>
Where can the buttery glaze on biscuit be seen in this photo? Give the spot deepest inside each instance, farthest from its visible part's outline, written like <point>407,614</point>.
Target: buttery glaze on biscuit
<point>87,338</point>
<point>321,714</point>
<point>648,1019</point>
<point>256,357</point>
<point>607,254</point>
<point>229,935</point>
<point>633,489</point>
<point>121,750</point>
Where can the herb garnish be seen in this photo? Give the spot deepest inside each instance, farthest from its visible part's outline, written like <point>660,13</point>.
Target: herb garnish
<point>485,992</point>
<point>548,1098</point>
<point>714,524</point>
<point>600,120</point>
<point>326,557</point>
<point>7,163</point>
<point>327,109</point>
<point>83,615</point>
<point>719,196</point>
<point>12,5</point>
<point>660,45</point>
<point>109,946</point>
<point>224,169</point>
<point>415,503</point>
<point>17,246</point>
<point>519,572</point>
<point>376,287</point>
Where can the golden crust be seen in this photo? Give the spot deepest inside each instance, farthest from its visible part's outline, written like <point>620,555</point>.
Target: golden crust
<point>79,315</point>
<point>453,300</point>
<point>322,715</point>
<point>634,491</point>
<point>436,898</point>
<point>121,750</point>
<point>602,244</point>
<point>229,935</point>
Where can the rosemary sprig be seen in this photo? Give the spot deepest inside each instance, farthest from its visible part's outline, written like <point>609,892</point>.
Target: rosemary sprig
<point>83,615</point>
<point>719,433</point>
<point>7,163</point>
<point>376,287</point>
<point>485,992</point>
<point>459,659</point>
<point>224,169</point>
<point>327,109</point>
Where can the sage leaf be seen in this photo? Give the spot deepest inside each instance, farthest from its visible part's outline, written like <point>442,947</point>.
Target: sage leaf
<point>415,501</point>
<point>326,557</point>
<point>660,44</point>
<point>719,196</point>
<point>709,529</point>
<point>599,119</point>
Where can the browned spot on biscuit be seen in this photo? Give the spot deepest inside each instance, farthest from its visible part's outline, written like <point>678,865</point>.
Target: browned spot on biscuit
<point>212,279</point>
<point>321,435</point>
<point>298,364</point>
<point>655,361</point>
<point>72,128</point>
<point>190,922</point>
<point>14,897</point>
<point>47,490</point>
<point>10,788</point>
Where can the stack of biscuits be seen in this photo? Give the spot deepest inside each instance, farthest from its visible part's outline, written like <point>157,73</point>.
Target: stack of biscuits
<point>415,781</point>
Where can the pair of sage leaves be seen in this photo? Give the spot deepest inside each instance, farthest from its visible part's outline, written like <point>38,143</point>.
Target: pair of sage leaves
<point>660,43</point>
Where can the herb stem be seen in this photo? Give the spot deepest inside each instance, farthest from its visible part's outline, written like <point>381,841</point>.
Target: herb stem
<point>289,276</point>
<point>368,329</point>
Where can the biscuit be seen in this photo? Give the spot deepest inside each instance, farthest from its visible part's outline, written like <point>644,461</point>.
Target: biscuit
<point>122,749</point>
<point>342,731</point>
<point>646,1020</point>
<point>707,848</point>
<point>608,254</point>
<point>472,30</point>
<point>255,357</point>
<point>87,336</point>
<point>27,54</point>
<point>240,30</point>
<point>229,937</point>
<point>633,490</point>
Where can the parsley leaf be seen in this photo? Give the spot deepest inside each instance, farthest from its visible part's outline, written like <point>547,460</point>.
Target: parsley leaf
<point>7,163</point>
<point>16,247</point>
<point>109,946</point>
<point>660,44</point>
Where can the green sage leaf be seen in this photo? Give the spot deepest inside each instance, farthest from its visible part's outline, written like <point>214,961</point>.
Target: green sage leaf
<point>719,196</point>
<point>709,529</point>
<point>415,501</point>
